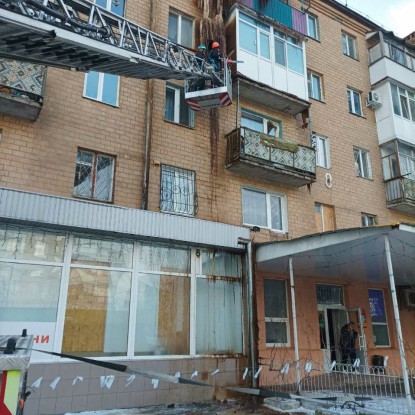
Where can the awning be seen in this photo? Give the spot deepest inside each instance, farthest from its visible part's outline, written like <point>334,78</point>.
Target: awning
<point>356,254</point>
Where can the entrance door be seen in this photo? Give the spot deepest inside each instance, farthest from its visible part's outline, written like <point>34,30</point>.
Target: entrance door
<point>355,314</point>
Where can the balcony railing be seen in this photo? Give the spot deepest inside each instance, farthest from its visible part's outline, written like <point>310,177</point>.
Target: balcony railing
<point>21,88</point>
<point>400,194</point>
<point>275,10</point>
<point>264,157</point>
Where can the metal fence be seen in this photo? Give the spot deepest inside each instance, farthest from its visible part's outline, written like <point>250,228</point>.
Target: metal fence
<point>368,389</point>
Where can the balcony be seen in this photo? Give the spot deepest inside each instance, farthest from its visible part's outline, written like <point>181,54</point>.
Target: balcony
<point>253,154</point>
<point>400,194</point>
<point>275,10</point>
<point>389,59</point>
<point>21,89</point>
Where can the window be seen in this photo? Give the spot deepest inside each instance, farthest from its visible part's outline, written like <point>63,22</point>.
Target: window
<point>266,210</point>
<point>403,102</point>
<point>362,163</point>
<point>94,176</point>
<point>314,82</point>
<point>355,103</point>
<point>349,45</point>
<point>368,220</point>
<point>288,52</point>
<point>379,320</point>
<point>261,124</point>
<point>254,37</point>
<point>276,313</point>
<point>178,190</point>
<point>99,86</point>
<point>321,145</point>
<point>176,108</point>
<point>312,26</point>
<point>397,54</point>
<point>398,159</point>
<point>180,30</point>
<point>324,215</point>
<point>329,294</point>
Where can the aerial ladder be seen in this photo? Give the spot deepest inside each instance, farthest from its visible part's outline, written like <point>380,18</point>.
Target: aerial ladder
<point>80,35</point>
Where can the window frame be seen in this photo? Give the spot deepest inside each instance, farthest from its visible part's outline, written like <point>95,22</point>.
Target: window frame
<point>100,89</point>
<point>379,323</point>
<point>365,217</point>
<point>265,120</point>
<point>399,94</point>
<point>268,195</point>
<point>190,174</point>
<point>351,102</point>
<point>310,75</point>
<point>95,155</point>
<point>285,320</point>
<point>364,156</point>
<point>317,139</point>
<point>316,24</point>
<point>322,206</point>
<point>346,51</point>
<point>179,28</point>
<point>178,90</point>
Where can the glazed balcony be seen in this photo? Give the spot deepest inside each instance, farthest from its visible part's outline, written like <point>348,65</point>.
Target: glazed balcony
<point>21,89</point>
<point>400,194</point>
<point>253,154</point>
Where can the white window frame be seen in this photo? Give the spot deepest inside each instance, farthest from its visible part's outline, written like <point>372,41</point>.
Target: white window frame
<point>259,30</point>
<point>347,52</point>
<point>366,217</point>
<point>284,210</point>
<point>352,107</point>
<point>179,27</point>
<point>359,163</point>
<point>318,140</point>
<point>381,324</point>
<point>285,320</point>
<point>277,124</point>
<point>311,92</point>
<point>101,90</point>
<point>410,100</point>
<point>315,18</point>
<point>177,90</point>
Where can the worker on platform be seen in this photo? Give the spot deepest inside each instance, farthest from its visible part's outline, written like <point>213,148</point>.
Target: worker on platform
<point>201,55</point>
<point>215,58</point>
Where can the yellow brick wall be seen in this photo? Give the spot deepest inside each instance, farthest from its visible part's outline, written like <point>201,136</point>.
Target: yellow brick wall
<point>41,156</point>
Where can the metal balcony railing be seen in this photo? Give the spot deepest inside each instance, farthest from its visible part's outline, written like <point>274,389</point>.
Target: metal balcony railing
<point>279,158</point>
<point>400,189</point>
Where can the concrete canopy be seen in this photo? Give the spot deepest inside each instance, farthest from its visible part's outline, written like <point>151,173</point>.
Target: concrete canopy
<point>356,254</point>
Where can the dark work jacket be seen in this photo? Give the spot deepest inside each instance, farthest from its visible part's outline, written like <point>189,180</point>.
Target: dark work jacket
<point>347,340</point>
<point>215,58</point>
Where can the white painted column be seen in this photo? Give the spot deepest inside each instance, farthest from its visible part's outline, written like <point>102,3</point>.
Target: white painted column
<point>398,326</point>
<point>295,332</point>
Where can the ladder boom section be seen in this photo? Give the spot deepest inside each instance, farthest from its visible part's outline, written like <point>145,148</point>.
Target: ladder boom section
<point>80,35</point>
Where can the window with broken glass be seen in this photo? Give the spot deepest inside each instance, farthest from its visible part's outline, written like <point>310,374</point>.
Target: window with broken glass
<point>94,176</point>
<point>276,313</point>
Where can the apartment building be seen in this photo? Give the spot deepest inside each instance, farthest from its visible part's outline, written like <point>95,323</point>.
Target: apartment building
<point>139,214</point>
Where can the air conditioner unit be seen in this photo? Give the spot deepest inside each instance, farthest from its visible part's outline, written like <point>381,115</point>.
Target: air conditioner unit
<point>373,100</point>
<point>409,297</point>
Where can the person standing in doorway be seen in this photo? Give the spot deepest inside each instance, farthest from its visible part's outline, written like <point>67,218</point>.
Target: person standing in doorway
<point>347,343</point>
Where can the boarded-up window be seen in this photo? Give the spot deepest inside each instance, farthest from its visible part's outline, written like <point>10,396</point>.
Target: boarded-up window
<point>325,220</point>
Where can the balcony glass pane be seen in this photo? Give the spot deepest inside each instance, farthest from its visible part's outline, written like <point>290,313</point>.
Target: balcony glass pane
<point>264,45</point>
<point>412,108</point>
<point>247,37</point>
<point>404,106</point>
<point>397,55</point>
<point>395,100</point>
<point>295,58</point>
<point>279,52</point>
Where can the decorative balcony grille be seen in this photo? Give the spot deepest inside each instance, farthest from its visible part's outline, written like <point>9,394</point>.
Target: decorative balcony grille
<point>265,149</point>
<point>400,189</point>
<point>22,79</point>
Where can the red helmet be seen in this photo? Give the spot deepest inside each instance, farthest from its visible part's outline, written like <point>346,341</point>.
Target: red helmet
<point>215,45</point>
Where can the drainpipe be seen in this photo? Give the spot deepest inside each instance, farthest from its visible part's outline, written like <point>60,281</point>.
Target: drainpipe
<point>398,326</point>
<point>149,116</point>
<point>250,297</point>
<point>237,104</point>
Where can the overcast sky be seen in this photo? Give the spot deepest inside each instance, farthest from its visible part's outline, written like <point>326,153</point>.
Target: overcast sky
<point>395,15</point>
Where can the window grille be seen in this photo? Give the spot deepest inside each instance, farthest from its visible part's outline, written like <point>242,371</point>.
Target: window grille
<point>178,191</point>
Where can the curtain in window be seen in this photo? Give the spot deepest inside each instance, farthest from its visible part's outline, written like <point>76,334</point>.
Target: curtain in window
<point>254,208</point>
